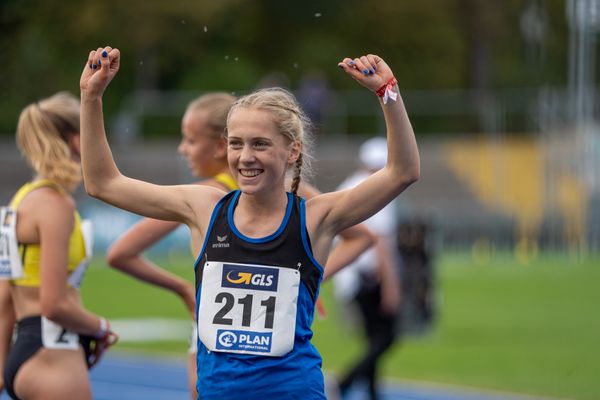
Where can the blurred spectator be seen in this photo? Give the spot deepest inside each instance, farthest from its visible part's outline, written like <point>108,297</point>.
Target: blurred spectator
<point>315,96</point>
<point>417,275</point>
<point>371,283</point>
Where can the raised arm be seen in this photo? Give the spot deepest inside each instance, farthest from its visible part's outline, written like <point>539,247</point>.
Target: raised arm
<point>342,209</point>
<point>102,178</point>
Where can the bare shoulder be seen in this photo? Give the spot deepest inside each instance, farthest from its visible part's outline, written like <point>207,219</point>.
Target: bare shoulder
<point>208,187</point>
<point>45,211</point>
<point>201,199</point>
<point>48,200</point>
<point>202,196</point>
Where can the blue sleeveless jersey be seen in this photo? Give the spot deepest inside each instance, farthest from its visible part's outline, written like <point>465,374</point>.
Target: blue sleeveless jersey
<point>295,375</point>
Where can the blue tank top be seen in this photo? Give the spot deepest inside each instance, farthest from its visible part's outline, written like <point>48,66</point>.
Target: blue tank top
<point>295,375</point>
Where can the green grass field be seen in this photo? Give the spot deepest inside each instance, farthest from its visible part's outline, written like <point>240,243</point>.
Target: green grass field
<point>530,329</point>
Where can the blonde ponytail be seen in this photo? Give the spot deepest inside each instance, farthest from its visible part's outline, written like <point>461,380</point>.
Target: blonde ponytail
<point>43,132</point>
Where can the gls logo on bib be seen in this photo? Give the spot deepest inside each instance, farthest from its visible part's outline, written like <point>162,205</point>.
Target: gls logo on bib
<point>250,277</point>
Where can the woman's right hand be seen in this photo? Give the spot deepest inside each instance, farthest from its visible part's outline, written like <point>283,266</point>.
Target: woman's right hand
<point>100,346</point>
<point>101,67</point>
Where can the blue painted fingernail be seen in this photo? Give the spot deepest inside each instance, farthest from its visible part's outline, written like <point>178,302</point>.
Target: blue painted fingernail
<point>374,68</point>
<point>99,62</point>
<point>366,71</point>
<point>351,62</point>
<point>104,54</point>
<point>94,66</point>
<point>371,72</point>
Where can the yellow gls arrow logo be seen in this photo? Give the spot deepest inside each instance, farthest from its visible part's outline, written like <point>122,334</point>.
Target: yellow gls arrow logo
<point>243,277</point>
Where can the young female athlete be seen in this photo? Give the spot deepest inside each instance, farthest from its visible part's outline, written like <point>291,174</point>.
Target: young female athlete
<point>204,146</point>
<point>51,354</point>
<point>259,270</point>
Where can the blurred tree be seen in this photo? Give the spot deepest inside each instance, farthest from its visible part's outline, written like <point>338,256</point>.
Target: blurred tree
<point>46,43</point>
<point>231,44</point>
<point>420,39</point>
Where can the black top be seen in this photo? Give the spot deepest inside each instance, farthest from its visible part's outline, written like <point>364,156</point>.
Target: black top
<point>288,247</point>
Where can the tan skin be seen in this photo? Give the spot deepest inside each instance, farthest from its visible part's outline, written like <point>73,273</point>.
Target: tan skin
<point>206,155</point>
<point>7,323</point>
<point>258,156</point>
<point>45,217</point>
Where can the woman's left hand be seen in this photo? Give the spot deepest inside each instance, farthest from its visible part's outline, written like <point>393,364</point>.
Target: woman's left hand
<point>369,70</point>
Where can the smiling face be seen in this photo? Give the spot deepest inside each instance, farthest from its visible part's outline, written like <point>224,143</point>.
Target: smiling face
<point>203,149</point>
<point>258,154</point>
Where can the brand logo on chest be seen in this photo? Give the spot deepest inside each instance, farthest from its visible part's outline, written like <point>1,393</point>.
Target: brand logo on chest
<point>221,242</point>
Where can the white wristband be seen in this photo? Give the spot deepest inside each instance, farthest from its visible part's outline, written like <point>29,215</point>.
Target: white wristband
<point>103,328</point>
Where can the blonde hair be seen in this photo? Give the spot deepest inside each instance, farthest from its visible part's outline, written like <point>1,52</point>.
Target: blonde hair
<point>43,131</point>
<point>291,122</point>
<point>217,106</point>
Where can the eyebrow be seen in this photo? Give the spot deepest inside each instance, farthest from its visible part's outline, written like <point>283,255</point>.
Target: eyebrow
<point>251,139</point>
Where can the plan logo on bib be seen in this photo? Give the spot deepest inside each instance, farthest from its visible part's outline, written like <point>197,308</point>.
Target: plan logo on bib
<point>226,339</point>
<point>244,340</point>
<point>250,277</point>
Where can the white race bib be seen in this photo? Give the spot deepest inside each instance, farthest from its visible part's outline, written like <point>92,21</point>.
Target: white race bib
<point>248,309</point>
<point>87,232</point>
<point>56,337</point>
<point>11,266</point>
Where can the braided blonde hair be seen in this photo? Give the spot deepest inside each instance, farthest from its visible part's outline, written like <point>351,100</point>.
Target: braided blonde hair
<point>291,122</point>
<point>43,131</point>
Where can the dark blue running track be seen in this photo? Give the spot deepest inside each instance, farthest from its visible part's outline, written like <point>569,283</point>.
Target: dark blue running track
<point>127,377</point>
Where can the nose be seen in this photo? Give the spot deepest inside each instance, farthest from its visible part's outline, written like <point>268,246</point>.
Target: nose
<point>246,155</point>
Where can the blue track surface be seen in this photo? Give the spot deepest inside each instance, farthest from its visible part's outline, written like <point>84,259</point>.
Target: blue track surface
<point>125,377</point>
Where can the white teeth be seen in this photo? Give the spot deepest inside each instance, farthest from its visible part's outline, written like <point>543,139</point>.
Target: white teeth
<point>250,172</point>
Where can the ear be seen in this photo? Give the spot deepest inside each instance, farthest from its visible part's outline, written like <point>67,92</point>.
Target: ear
<point>221,148</point>
<point>295,150</point>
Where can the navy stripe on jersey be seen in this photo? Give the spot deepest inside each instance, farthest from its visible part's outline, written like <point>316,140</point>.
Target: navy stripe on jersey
<point>231,207</point>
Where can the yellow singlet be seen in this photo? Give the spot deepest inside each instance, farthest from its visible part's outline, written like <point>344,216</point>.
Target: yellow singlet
<point>30,253</point>
<point>226,180</point>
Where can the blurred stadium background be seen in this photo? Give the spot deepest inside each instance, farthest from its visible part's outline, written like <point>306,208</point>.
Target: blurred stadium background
<point>503,99</point>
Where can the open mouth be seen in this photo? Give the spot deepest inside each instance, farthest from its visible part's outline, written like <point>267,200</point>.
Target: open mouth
<point>250,173</point>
